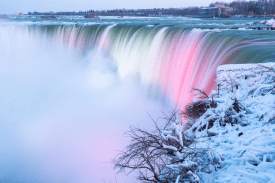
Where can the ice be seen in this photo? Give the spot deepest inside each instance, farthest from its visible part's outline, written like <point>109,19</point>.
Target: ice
<point>270,22</point>
<point>243,131</point>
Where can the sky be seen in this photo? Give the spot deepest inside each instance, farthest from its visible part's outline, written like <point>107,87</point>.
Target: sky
<point>25,6</point>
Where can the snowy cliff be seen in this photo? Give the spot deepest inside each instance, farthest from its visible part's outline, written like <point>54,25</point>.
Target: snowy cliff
<point>229,135</point>
<point>240,129</point>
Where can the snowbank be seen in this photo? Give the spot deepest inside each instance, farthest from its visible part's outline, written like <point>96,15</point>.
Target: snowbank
<point>241,130</point>
<point>270,22</point>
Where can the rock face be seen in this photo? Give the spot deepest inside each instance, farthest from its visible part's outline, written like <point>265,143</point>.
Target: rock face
<point>240,130</point>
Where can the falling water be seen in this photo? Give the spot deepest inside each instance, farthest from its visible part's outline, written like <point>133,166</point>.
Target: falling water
<point>169,60</point>
<point>69,92</point>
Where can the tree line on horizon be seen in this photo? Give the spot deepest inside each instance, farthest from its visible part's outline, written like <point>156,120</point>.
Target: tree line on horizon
<point>260,7</point>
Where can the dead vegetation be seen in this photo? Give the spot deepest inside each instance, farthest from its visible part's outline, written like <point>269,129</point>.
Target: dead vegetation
<point>163,155</point>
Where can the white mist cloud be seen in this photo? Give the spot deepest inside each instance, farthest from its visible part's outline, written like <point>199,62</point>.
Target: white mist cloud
<point>62,116</point>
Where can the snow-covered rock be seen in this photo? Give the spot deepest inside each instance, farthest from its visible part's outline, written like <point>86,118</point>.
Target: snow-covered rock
<point>270,22</point>
<point>240,130</point>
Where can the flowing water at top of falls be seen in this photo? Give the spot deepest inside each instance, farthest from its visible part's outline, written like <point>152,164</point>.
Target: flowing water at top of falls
<point>169,60</point>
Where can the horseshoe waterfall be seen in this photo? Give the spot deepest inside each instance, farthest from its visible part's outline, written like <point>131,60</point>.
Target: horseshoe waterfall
<point>71,87</point>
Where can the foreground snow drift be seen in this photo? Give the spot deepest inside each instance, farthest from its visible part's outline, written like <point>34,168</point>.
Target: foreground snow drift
<point>229,135</point>
<point>240,130</point>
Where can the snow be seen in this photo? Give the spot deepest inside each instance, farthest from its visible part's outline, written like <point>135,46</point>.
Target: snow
<point>169,147</point>
<point>178,178</point>
<point>245,147</point>
<point>231,141</point>
<point>270,22</point>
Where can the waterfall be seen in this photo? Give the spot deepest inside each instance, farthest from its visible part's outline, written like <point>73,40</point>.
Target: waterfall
<point>169,60</point>
<point>63,110</point>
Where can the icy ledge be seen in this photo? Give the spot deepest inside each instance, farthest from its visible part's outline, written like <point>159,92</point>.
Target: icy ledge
<point>240,130</point>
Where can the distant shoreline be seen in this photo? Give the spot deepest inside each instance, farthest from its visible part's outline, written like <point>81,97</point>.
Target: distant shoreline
<point>188,16</point>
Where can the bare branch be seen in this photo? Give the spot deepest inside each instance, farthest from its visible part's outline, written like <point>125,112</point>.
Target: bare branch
<point>155,154</point>
<point>199,92</point>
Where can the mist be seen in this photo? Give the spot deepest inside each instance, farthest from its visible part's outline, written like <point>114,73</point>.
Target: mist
<point>62,114</point>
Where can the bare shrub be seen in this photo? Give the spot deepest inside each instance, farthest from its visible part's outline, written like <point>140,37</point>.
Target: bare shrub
<point>163,155</point>
<point>197,108</point>
<point>268,69</point>
<point>200,93</point>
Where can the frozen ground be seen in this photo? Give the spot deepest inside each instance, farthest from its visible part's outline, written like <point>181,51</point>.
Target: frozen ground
<point>242,137</point>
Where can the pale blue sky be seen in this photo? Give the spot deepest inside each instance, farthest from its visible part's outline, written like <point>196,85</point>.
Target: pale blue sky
<point>12,6</point>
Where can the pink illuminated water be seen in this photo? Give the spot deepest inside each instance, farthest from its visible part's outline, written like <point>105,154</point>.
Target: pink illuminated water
<point>174,61</point>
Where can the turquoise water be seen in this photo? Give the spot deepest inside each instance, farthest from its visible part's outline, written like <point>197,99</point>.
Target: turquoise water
<point>182,22</point>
